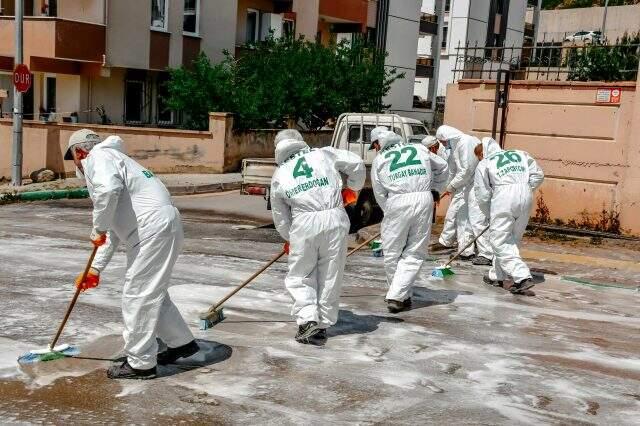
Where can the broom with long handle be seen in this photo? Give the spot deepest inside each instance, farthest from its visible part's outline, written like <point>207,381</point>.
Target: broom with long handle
<point>52,352</point>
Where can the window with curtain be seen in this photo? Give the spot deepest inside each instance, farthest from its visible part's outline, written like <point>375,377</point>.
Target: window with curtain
<point>191,18</point>
<point>159,14</point>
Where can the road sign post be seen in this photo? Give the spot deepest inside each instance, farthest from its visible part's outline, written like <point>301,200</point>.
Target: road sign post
<point>16,170</point>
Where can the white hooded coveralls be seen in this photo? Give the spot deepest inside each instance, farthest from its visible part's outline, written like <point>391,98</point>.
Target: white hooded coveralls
<point>135,208</point>
<point>477,219</point>
<point>402,176</point>
<point>308,212</point>
<point>462,164</point>
<point>504,190</point>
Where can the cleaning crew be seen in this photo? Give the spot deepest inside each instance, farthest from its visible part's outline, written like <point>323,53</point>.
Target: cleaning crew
<point>406,179</point>
<point>477,219</point>
<point>504,187</point>
<point>462,165</point>
<point>435,147</point>
<point>132,206</point>
<point>307,204</point>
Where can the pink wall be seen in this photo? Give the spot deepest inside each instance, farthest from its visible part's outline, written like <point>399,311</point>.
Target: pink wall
<point>588,150</point>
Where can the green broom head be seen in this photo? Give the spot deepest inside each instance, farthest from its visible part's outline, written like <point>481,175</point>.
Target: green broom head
<point>44,355</point>
<point>442,272</point>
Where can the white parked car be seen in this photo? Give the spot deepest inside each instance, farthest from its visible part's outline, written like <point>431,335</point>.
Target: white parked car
<point>585,37</point>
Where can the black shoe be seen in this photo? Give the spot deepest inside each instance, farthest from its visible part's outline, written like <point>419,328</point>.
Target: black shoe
<point>494,283</point>
<point>439,247</point>
<point>482,261</point>
<point>125,371</point>
<point>395,306</point>
<point>466,258</point>
<point>522,286</point>
<point>306,332</point>
<point>171,355</point>
<point>320,338</point>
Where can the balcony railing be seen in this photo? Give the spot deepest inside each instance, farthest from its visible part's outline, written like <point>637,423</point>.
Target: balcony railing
<point>428,24</point>
<point>424,67</point>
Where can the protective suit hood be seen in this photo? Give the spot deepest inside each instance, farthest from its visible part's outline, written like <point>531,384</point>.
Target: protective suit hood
<point>388,139</point>
<point>113,142</point>
<point>449,134</point>
<point>287,147</point>
<point>489,147</point>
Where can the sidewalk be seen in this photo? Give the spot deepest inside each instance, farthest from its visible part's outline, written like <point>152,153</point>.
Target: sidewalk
<point>177,184</point>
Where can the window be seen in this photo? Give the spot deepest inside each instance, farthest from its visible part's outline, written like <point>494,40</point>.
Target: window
<point>50,94</point>
<point>134,95</point>
<point>190,24</point>
<point>419,130</point>
<point>445,32</point>
<point>159,9</point>
<point>253,25</point>
<point>354,132</point>
<point>164,115</point>
<point>288,28</point>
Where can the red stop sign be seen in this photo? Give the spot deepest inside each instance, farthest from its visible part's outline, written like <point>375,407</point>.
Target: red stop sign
<point>22,78</point>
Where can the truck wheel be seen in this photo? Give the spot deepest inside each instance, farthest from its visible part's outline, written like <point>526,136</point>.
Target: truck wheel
<point>360,215</point>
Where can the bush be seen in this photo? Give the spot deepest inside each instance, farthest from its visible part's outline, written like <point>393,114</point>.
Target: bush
<point>277,80</point>
<point>617,62</point>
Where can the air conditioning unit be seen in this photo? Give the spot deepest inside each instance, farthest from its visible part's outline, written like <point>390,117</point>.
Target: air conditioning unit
<point>270,22</point>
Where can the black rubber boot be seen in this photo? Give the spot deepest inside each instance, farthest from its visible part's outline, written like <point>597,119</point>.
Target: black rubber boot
<point>522,286</point>
<point>439,247</point>
<point>171,355</point>
<point>467,258</point>
<point>320,338</point>
<point>125,371</point>
<point>494,283</point>
<point>395,306</point>
<point>481,261</point>
<point>306,332</point>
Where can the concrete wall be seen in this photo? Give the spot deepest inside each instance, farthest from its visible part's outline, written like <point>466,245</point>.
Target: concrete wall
<point>554,24</point>
<point>588,151</point>
<point>164,151</point>
<point>217,27</point>
<point>402,45</point>
<point>82,10</point>
<point>128,37</point>
<point>306,17</point>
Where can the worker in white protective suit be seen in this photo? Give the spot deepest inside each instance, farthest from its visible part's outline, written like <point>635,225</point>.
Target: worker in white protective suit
<point>406,179</point>
<point>477,219</point>
<point>435,147</point>
<point>504,188</point>
<point>307,205</point>
<point>462,165</point>
<point>132,206</point>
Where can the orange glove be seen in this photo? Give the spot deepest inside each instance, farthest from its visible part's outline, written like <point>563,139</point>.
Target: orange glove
<point>349,196</point>
<point>285,247</point>
<point>98,239</point>
<point>92,280</point>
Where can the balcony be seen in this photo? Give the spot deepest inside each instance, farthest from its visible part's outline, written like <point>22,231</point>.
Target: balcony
<point>345,11</point>
<point>56,44</point>
<point>428,24</point>
<point>424,67</point>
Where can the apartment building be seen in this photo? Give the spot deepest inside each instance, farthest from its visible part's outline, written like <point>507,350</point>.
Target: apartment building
<point>105,61</point>
<point>485,23</point>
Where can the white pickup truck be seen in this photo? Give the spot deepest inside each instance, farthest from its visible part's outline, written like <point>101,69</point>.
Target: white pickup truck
<point>352,132</point>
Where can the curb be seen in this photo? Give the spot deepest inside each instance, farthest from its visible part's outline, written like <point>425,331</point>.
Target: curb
<point>75,193</point>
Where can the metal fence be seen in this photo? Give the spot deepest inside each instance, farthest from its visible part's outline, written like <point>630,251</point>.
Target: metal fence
<point>551,61</point>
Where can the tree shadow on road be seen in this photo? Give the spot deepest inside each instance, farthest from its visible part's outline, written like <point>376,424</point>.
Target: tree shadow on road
<point>350,323</point>
<point>424,297</point>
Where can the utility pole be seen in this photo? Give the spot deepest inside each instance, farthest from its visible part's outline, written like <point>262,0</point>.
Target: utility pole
<point>604,20</point>
<point>16,171</point>
<point>536,25</point>
<point>435,51</point>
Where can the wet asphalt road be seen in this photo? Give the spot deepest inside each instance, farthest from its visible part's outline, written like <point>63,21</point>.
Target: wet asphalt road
<point>466,353</point>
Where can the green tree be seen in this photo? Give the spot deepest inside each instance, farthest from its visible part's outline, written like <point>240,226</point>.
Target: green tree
<point>198,89</point>
<point>276,80</point>
<point>617,62</point>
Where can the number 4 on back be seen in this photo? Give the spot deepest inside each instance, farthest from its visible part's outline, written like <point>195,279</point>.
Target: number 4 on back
<point>302,169</point>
